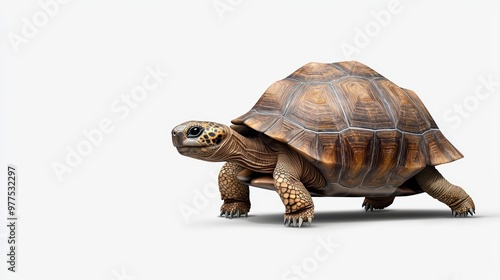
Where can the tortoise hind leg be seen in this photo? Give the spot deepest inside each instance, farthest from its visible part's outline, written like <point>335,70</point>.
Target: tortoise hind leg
<point>432,182</point>
<point>371,203</point>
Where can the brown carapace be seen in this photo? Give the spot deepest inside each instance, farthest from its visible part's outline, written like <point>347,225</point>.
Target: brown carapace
<point>338,129</point>
<point>365,135</point>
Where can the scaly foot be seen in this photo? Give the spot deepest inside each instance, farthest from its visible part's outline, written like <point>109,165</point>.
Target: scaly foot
<point>464,208</point>
<point>377,202</point>
<point>298,218</point>
<point>231,209</point>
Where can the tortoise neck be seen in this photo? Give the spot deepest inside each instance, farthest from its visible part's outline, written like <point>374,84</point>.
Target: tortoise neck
<point>250,153</point>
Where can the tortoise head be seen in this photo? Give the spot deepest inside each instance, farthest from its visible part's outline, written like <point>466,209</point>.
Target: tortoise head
<point>200,139</point>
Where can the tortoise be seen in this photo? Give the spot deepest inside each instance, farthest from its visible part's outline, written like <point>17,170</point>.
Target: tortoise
<point>328,129</point>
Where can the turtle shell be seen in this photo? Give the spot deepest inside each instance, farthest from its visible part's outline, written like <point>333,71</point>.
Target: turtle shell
<point>365,134</point>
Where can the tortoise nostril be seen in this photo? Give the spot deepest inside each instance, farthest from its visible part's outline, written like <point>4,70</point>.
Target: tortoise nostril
<point>174,133</point>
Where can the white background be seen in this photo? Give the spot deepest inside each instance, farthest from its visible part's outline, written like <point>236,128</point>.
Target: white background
<point>117,214</point>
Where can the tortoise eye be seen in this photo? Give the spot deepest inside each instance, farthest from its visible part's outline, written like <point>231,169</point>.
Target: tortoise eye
<point>194,132</point>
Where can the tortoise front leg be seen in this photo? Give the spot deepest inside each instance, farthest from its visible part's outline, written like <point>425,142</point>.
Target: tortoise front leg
<point>298,203</point>
<point>235,194</point>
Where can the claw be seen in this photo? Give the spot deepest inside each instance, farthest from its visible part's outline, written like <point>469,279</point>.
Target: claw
<point>226,214</point>
<point>294,222</point>
<point>284,221</point>
<point>238,213</point>
<point>231,215</point>
<point>288,222</point>
<point>246,215</point>
<point>221,213</point>
<point>300,221</point>
<point>309,220</point>
<point>463,214</point>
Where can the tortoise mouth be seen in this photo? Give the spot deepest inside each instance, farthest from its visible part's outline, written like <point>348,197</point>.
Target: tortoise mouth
<point>204,152</point>
<point>186,150</point>
<point>182,149</point>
